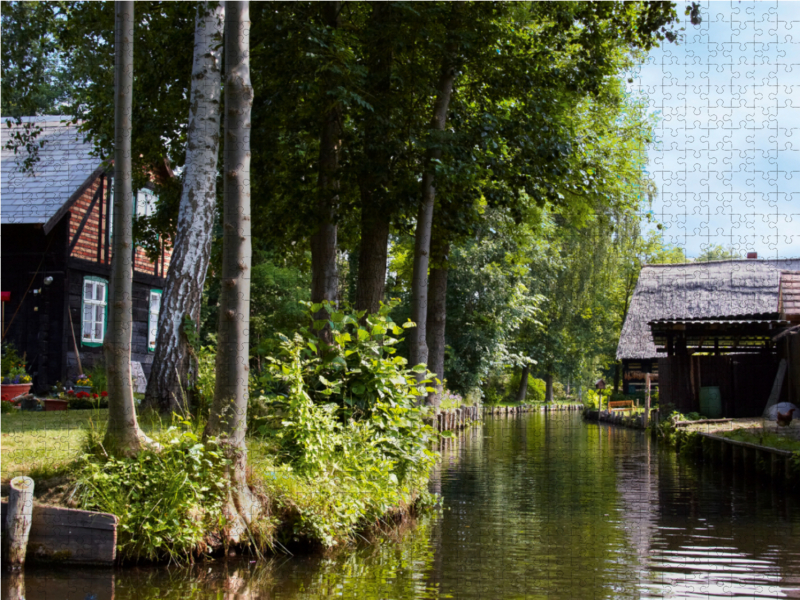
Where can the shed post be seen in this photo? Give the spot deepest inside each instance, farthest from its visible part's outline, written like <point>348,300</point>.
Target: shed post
<point>646,400</point>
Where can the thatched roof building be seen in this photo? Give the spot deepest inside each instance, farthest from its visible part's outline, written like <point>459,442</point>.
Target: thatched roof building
<point>727,288</point>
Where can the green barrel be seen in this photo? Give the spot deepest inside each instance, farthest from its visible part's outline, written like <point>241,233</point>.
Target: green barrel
<point>710,402</point>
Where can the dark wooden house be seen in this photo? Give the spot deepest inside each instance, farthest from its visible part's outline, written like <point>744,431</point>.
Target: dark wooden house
<point>57,230</point>
<point>711,326</point>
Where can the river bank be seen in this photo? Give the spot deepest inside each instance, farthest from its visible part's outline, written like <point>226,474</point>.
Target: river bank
<point>530,502</point>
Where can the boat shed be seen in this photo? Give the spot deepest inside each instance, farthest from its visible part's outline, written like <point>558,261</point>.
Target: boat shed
<point>714,332</point>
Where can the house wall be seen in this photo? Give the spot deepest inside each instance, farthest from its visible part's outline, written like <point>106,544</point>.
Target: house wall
<point>92,244</point>
<point>93,355</point>
<point>745,382</point>
<point>28,256</point>
<point>633,372</point>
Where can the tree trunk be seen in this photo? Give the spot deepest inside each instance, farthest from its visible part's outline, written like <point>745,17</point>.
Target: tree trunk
<point>437,319</point>
<point>228,418</point>
<point>373,255</point>
<point>324,276</point>
<point>123,435</point>
<point>418,347</point>
<point>376,213</point>
<point>522,392</point>
<point>548,394</point>
<point>183,292</point>
<point>617,374</point>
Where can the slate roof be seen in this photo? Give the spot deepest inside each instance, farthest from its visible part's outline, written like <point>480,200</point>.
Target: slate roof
<point>727,288</point>
<point>65,165</point>
<point>790,295</point>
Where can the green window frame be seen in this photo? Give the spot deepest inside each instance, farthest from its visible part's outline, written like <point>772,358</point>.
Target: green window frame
<point>94,310</point>
<point>152,318</point>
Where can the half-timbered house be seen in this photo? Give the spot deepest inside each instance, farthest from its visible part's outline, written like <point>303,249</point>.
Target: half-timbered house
<point>57,230</point>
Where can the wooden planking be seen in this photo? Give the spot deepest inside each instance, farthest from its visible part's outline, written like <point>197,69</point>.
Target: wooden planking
<point>70,536</point>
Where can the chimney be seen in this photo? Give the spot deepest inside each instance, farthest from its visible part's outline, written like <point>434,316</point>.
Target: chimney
<point>752,255</point>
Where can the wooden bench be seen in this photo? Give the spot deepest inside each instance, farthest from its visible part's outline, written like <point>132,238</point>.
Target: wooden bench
<point>620,405</point>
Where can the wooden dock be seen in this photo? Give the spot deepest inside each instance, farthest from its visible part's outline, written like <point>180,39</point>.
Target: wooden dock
<point>744,456</point>
<point>69,536</point>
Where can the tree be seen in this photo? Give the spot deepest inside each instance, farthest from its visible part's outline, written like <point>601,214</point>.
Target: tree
<point>123,434</point>
<point>228,418</point>
<point>183,290</point>
<point>717,252</point>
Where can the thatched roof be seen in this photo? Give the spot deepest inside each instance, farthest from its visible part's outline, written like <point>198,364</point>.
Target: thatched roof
<point>725,288</point>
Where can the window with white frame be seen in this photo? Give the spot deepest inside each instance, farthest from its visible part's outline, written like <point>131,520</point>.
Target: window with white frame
<point>152,322</point>
<point>145,202</point>
<point>95,293</point>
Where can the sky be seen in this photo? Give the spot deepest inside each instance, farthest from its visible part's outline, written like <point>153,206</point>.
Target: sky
<point>727,153</point>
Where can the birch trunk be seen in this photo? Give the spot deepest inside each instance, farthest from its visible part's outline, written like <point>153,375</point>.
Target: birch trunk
<point>183,292</point>
<point>123,435</point>
<point>228,418</point>
<point>522,392</point>
<point>324,275</point>
<point>437,319</point>
<point>418,348</point>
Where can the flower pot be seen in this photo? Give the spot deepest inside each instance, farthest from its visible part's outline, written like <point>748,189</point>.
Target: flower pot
<point>54,404</point>
<point>12,390</point>
<point>83,388</point>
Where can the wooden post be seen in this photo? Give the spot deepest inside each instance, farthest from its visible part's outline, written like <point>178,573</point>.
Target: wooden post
<point>647,400</point>
<point>18,520</point>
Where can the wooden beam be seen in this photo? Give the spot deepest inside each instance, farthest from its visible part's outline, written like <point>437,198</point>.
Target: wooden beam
<point>51,222</point>
<point>86,216</point>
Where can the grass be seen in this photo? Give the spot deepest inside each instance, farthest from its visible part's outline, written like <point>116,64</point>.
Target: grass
<point>763,438</point>
<point>44,444</point>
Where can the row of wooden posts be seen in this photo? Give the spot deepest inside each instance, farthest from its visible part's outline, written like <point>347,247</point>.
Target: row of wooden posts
<point>746,457</point>
<point>455,419</point>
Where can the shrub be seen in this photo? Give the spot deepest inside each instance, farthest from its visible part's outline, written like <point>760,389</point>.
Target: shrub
<point>6,407</point>
<point>167,501</point>
<point>346,418</point>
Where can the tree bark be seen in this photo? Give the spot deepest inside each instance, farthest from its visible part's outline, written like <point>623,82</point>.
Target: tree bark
<point>228,418</point>
<point>522,392</point>
<point>324,275</point>
<point>123,435</point>
<point>548,389</point>
<point>373,179</point>
<point>183,292</point>
<point>437,319</point>
<point>418,347</point>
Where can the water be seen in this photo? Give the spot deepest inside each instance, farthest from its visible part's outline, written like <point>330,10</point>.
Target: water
<point>538,506</point>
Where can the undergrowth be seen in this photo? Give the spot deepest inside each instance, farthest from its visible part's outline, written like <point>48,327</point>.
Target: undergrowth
<point>167,500</point>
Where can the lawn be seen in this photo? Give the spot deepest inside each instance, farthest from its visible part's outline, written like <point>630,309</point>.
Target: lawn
<point>41,444</point>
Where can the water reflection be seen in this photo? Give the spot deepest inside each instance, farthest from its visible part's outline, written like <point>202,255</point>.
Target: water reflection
<point>541,506</point>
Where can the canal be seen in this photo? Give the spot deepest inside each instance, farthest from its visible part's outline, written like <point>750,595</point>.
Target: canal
<point>535,506</point>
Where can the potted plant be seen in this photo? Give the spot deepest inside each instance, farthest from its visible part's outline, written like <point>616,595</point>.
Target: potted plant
<point>83,384</point>
<point>16,382</point>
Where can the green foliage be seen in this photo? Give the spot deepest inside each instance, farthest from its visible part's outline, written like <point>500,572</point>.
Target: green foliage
<point>345,418</point>
<point>717,252</point>
<point>6,407</point>
<point>11,360</point>
<point>167,500</point>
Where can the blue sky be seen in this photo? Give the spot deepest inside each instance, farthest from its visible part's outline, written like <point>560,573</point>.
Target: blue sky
<point>727,158</point>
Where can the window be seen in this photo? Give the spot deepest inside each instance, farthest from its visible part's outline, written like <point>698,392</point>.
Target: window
<point>95,291</point>
<point>152,322</point>
<point>145,203</point>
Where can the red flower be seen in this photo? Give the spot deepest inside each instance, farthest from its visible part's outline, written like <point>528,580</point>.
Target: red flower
<point>82,394</point>
<point>104,394</point>
<point>71,393</point>
<point>94,395</point>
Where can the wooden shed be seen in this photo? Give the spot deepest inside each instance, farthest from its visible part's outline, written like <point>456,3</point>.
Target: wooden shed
<point>713,325</point>
<point>56,221</point>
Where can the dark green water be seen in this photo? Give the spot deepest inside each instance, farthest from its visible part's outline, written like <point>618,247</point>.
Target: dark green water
<point>539,506</point>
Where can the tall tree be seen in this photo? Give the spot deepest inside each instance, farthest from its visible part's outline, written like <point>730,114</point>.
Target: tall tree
<point>228,418</point>
<point>183,291</point>
<point>418,348</point>
<point>123,434</point>
<point>324,275</point>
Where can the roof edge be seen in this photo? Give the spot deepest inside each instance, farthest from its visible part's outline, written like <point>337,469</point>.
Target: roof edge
<point>52,221</point>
